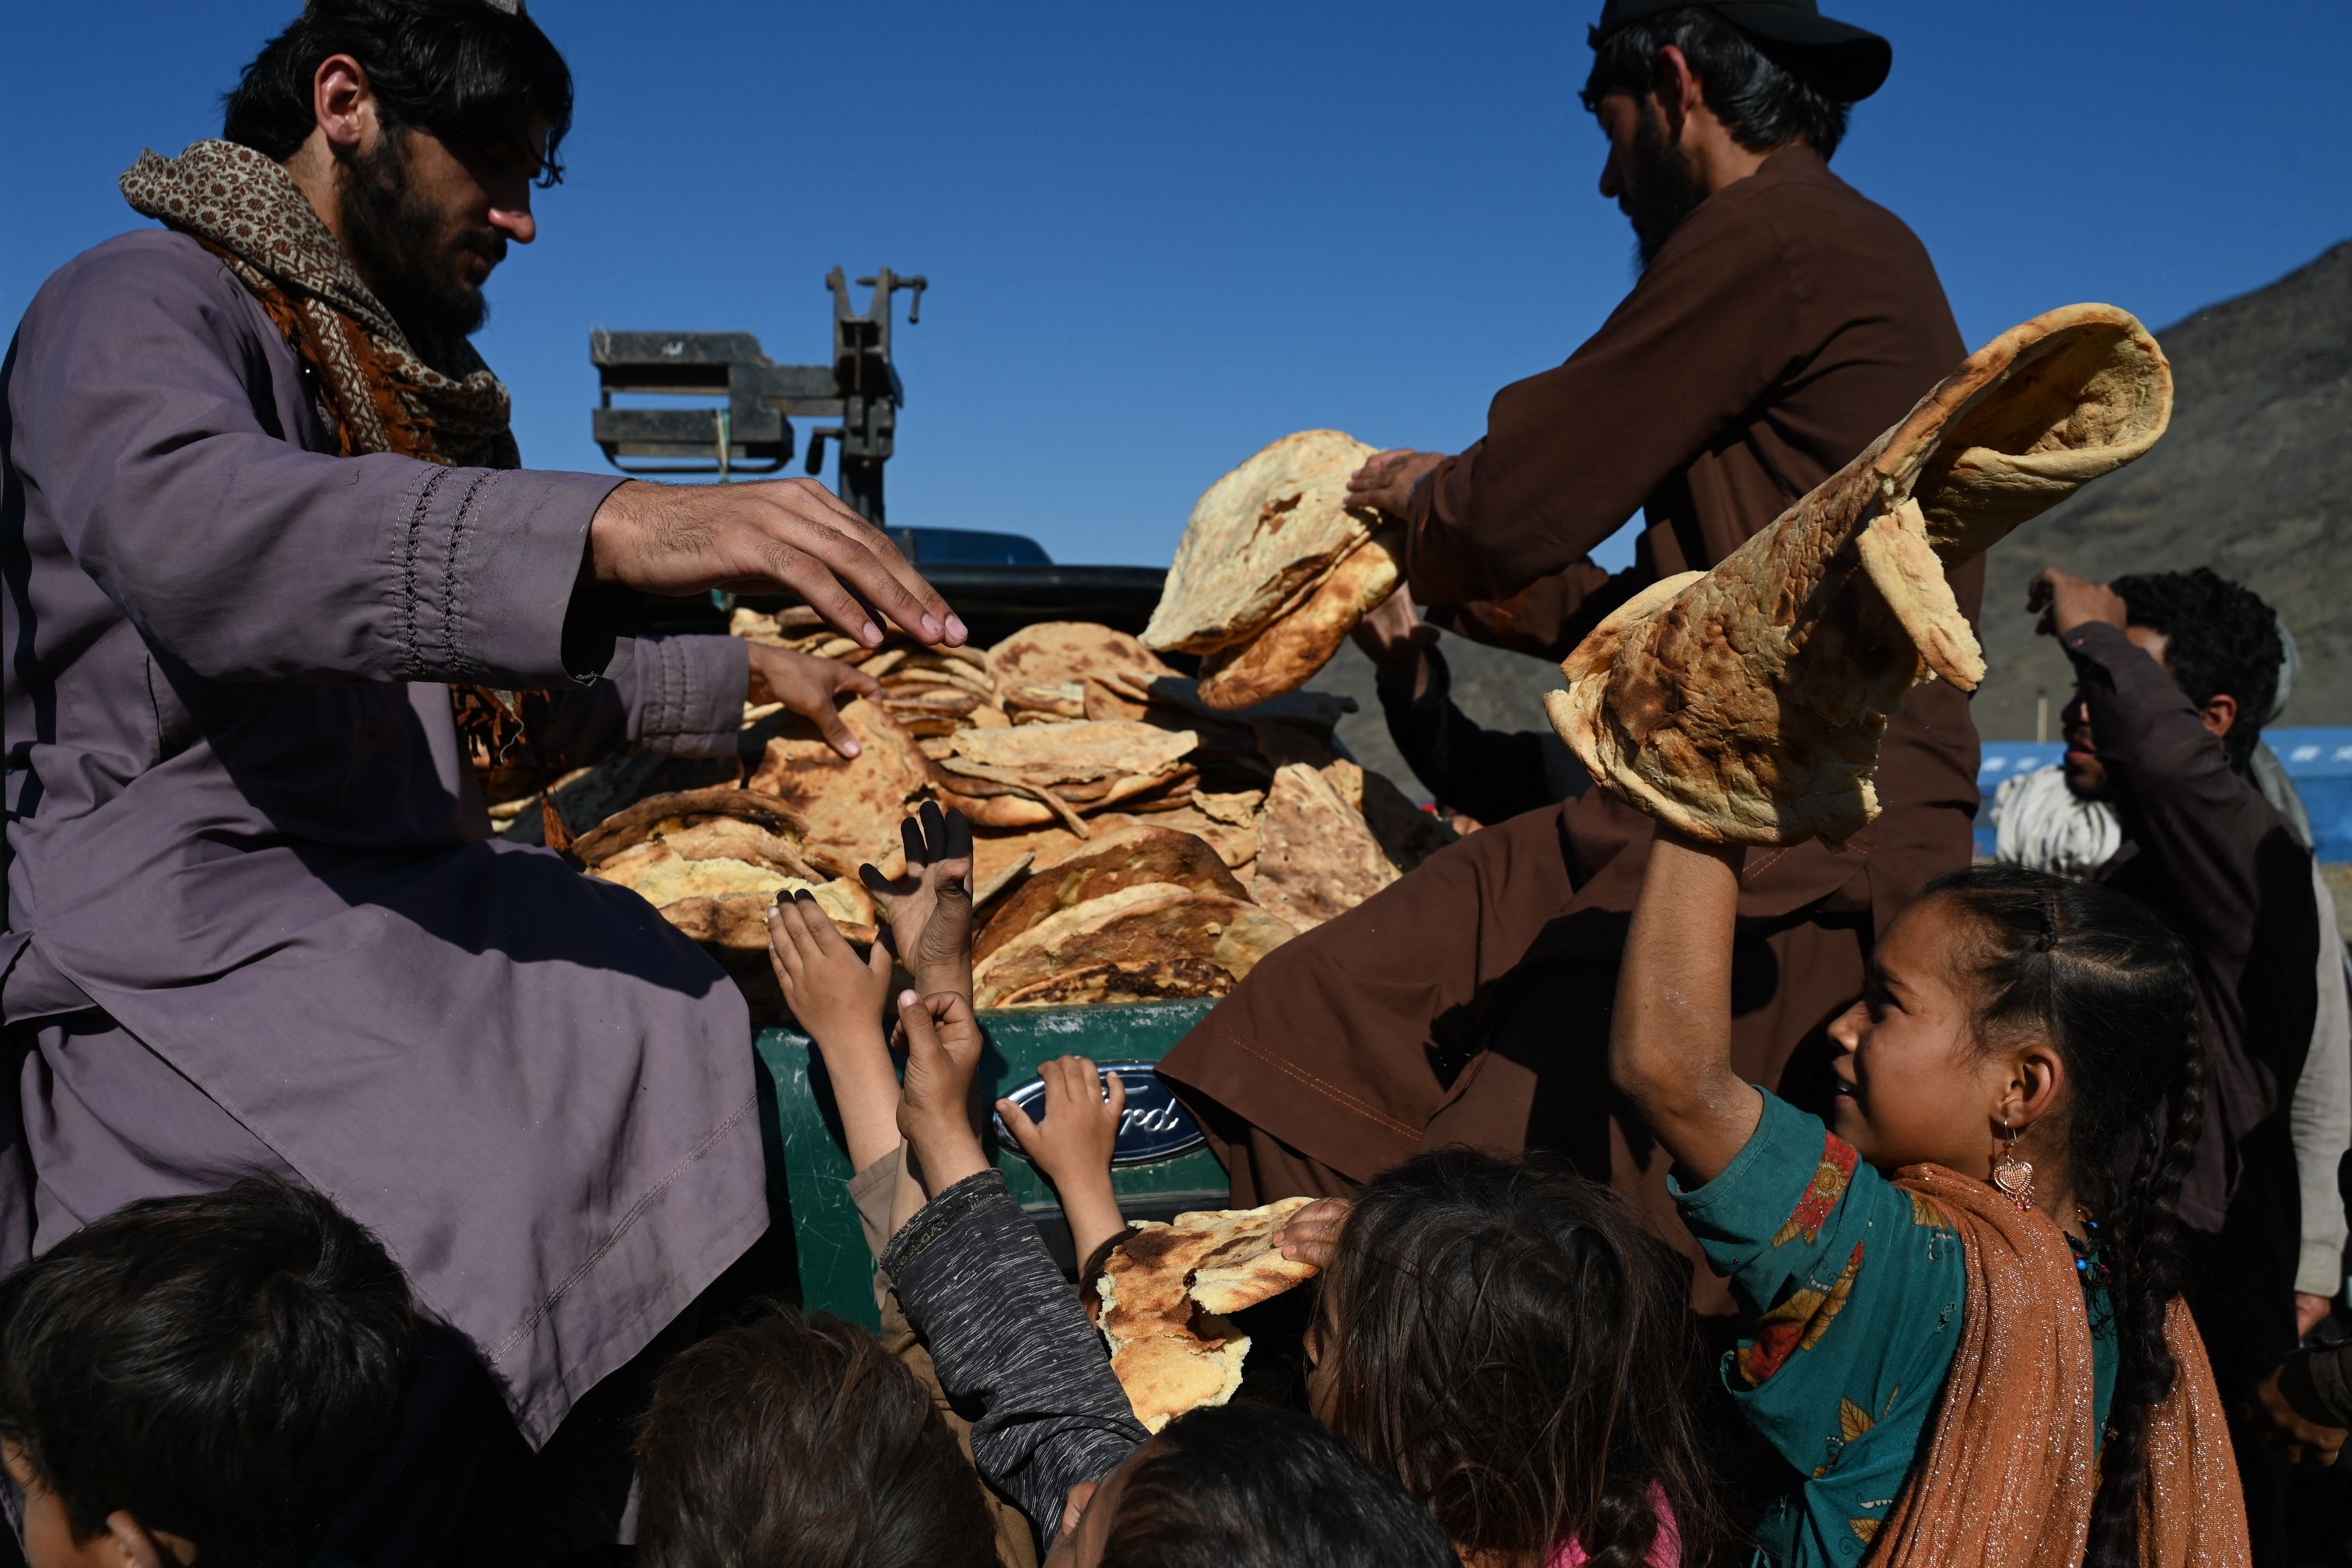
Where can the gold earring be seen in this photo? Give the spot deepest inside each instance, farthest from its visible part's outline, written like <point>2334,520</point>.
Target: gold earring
<point>2012,1175</point>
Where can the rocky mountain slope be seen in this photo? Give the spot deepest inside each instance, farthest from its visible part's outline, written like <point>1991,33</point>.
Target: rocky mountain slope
<point>2253,479</point>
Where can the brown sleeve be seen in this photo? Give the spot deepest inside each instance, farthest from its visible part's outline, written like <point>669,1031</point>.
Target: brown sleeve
<point>1549,616</point>
<point>1570,455</point>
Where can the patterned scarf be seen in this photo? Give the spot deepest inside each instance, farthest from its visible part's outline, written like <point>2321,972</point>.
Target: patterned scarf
<point>2009,1470</point>
<point>375,392</point>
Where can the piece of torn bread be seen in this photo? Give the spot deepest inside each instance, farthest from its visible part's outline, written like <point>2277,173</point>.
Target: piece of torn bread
<point>1172,1351</point>
<point>1746,705</point>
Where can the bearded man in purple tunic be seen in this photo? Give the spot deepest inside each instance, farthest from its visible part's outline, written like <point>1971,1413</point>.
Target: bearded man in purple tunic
<point>265,547</point>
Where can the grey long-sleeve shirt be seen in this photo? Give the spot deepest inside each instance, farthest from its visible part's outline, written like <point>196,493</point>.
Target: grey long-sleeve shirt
<point>247,855</point>
<point>1007,1334</point>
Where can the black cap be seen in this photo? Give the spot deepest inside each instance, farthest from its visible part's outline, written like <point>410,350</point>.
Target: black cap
<point>1847,62</point>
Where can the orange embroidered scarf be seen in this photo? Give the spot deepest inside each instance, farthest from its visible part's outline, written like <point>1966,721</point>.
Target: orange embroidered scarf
<point>2011,1465</point>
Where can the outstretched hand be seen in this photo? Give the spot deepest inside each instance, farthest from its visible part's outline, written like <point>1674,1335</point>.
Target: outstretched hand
<point>1386,479</point>
<point>1083,1110</point>
<point>1073,1145</point>
<point>941,1037</point>
<point>840,999</point>
<point>928,909</point>
<point>770,535</point>
<point>809,686</point>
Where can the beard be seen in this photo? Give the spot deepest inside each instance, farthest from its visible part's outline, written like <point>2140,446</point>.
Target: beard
<point>398,242</point>
<point>1662,188</point>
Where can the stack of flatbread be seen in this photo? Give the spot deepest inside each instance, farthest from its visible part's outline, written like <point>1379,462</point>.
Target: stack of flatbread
<point>1274,570</point>
<point>712,861</point>
<point>929,691</point>
<point>1029,773</point>
<point>1746,705</point>
<point>849,808</point>
<point>1168,1293</point>
<point>1131,840</point>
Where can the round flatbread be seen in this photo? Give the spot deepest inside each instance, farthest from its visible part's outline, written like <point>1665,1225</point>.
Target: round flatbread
<point>1260,541</point>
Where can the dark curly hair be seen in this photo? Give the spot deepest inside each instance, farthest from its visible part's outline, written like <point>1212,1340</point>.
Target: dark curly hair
<point>2224,640</point>
<point>2109,985</point>
<point>1509,1340</point>
<point>1752,84</point>
<point>476,75</point>
<point>800,1440</point>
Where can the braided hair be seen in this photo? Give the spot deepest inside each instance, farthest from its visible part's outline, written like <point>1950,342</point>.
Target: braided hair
<point>1507,1340</point>
<point>2109,986</point>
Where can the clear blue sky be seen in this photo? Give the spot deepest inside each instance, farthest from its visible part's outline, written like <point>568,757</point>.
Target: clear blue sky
<point>1160,236</point>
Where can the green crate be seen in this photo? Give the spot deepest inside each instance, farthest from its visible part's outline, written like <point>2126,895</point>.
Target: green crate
<point>806,1145</point>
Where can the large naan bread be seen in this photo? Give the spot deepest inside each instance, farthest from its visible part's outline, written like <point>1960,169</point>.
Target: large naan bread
<point>1057,653</point>
<point>1153,940</point>
<point>1260,541</point>
<point>763,825</point>
<point>1288,651</point>
<point>1316,857</point>
<point>849,808</point>
<point>1746,705</point>
<point>1032,774</point>
<point>1124,857</point>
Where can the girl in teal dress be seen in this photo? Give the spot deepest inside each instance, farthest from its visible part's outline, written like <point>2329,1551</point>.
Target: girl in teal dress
<point>2021,1031</point>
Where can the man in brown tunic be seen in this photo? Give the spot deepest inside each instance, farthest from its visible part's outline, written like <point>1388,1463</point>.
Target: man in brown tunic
<point>1780,322</point>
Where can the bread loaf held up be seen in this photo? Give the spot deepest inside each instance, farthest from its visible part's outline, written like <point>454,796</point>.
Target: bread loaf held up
<point>1746,705</point>
<point>1274,570</point>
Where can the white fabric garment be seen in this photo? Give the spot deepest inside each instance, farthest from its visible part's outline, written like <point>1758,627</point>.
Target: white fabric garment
<point>2041,823</point>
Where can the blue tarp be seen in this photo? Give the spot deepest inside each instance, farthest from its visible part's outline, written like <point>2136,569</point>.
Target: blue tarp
<point>2319,761</point>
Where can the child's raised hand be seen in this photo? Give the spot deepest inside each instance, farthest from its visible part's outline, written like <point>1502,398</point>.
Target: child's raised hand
<point>839,999</point>
<point>837,996</point>
<point>1312,1235</point>
<point>1075,1146</point>
<point>943,1046</point>
<point>1081,1127</point>
<point>928,909</point>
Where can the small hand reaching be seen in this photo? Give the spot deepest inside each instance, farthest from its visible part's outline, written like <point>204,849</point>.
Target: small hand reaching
<point>839,999</point>
<point>1074,1143</point>
<point>943,1046</point>
<point>809,686</point>
<point>1312,1235</point>
<point>929,909</point>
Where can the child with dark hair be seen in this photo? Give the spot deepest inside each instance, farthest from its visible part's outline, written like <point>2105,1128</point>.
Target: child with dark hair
<point>1985,1357</point>
<point>801,1440</point>
<point>1006,1336</point>
<point>1235,1488</point>
<point>1509,1340</point>
<point>210,1376</point>
<point>1246,1485</point>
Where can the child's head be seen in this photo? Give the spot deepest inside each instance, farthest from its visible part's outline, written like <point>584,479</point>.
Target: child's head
<point>2069,1011</point>
<point>213,1375</point>
<point>2005,1000</point>
<point>1507,1340</point>
<point>794,1439</point>
<point>1249,1486</point>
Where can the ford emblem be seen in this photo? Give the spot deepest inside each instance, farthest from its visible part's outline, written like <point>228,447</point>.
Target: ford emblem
<point>1155,1125</point>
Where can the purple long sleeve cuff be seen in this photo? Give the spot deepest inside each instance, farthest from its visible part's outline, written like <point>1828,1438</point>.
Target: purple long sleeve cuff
<point>685,695</point>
